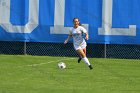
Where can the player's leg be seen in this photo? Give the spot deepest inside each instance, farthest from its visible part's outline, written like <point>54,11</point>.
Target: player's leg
<point>83,47</point>
<point>84,58</point>
<point>84,50</point>
<point>80,57</point>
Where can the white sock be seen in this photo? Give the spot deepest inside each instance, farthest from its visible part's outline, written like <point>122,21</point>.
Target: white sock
<point>86,61</point>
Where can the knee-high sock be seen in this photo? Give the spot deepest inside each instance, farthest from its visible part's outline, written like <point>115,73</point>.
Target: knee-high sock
<point>86,61</point>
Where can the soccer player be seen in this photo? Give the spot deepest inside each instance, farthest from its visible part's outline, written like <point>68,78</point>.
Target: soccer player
<point>79,42</point>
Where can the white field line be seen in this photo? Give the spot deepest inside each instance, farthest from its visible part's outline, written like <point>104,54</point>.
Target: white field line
<point>49,62</point>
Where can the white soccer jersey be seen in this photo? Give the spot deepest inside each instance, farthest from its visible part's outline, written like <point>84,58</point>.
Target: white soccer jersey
<point>77,34</point>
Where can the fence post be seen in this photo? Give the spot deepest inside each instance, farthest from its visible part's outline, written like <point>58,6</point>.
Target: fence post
<point>105,51</point>
<point>25,48</point>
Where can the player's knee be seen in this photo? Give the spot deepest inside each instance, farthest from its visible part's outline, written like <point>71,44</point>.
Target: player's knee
<point>83,55</point>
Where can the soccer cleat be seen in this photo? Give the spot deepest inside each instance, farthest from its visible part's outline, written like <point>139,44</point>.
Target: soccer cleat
<point>90,67</point>
<point>79,60</point>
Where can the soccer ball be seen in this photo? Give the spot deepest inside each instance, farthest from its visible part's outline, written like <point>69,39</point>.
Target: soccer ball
<point>61,65</point>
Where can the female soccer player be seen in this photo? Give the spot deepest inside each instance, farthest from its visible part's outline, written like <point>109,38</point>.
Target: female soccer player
<point>79,42</point>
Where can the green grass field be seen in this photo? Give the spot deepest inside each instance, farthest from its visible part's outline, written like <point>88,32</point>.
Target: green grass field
<point>40,74</point>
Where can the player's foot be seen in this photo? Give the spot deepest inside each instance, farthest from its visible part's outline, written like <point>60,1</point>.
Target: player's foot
<point>79,60</point>
<point>90,67</point>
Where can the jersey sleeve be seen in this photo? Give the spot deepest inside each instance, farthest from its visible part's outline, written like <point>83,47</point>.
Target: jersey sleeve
<point>70,31</point>
<point>83,29</point>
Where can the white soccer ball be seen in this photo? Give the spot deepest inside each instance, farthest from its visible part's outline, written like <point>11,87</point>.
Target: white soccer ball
<point>61,65</point>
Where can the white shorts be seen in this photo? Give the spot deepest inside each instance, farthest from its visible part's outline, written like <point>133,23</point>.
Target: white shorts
<point>82,46</point>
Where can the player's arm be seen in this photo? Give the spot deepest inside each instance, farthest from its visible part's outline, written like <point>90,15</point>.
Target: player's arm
<point>86,33</point>
<point>66,41</point>
<point>87,37</point>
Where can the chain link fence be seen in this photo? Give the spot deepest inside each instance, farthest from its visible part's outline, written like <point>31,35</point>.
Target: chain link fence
<point>59,49</point>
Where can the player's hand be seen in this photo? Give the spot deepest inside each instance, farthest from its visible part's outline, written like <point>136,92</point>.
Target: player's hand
<point>65,42</point>
<point>86,38</point>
